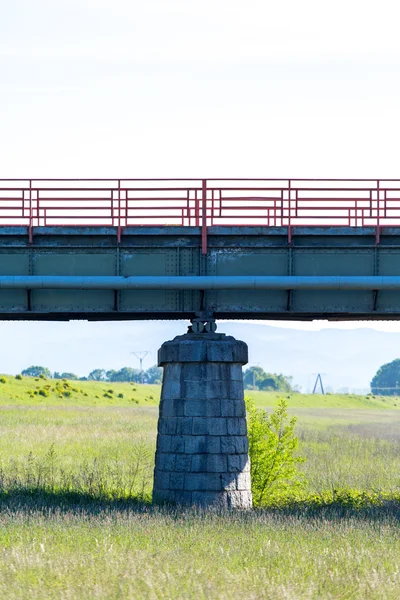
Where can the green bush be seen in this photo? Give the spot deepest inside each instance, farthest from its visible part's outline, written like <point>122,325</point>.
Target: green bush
<point>18,376</point>
<point>44,393</point>
<point>272,450</point>
<point>3,380</point>
<point>120,395</point>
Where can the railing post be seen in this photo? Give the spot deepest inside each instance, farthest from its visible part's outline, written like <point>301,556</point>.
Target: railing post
<point>378,230</point>
<point>204,217</point>
<point>119,212</point>
<point>30,227</point>
<point>289,209</point>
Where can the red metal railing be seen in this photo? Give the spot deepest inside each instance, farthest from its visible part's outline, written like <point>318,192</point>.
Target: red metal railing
<point>200,202</point>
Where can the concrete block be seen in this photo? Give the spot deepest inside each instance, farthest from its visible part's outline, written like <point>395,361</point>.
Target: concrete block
<point>217,426</point>
<point>217,463</point>
<point>236,391</point>
<point>203,408</point>
<point>228,408</point>
<point>200,426</point>
<point>201,444</point>
<point>208,499</point>
<point>243,481</point>
<point>203,482</point>
<point>195,371</point>
<point>171,390</point>
<point>199,463</point>
<point>184,425</point>
<point>177,443</point>
<point>177,481</point>
<point>161,480</point>
<point>209,463</point>
<point>184,498</point>
<point>164,496</point>
<point>168,353</point>
<point>173,371</point>
<point>235,372</point>
<point>236,426</point>
<point>228,481</point>
<point>240,408</point>
<point>190,351</point>
<point>160,460</point>
<point>168,462</point>
<point>239,500</point>
<point>209,426</point>
<point>164,443</point>
<point>220,352</point>
<point>183,462</point>
<point>213,408</point>
<point>210,371</point>
<point>172,407</point>
<point>203,390</point>
<point>195,408</point>
<point>167,425</point>
<point>233,444</point>
<point>238,463</point>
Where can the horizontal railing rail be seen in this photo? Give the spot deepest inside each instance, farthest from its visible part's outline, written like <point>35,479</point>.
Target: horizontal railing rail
<point>200,202</point>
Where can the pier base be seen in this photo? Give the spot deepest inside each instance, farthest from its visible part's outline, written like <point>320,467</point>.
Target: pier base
<point>202,446</point>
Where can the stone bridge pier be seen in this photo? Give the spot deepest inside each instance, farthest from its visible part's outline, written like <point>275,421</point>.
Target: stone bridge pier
<point>202,446</point>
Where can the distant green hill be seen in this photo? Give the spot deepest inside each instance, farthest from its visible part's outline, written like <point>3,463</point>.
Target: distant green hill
<point>344,401</point>
<point>33,391</point>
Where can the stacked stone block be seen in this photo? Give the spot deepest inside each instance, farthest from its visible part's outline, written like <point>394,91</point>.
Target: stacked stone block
<point>202,447</point>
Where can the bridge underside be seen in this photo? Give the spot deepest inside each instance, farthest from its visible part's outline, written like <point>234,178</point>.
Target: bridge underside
<point>177,251</point>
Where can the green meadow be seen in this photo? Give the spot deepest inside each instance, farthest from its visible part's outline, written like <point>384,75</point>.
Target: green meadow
<point>76,519</point>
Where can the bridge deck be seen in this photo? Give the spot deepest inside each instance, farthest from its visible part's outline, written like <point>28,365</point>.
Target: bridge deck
<point>179,251</point>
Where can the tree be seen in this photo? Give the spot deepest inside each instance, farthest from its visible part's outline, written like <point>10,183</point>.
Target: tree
<point>272,451</point>
<point>97,375</point>
<point>153,375</point>
<point>70,376</point>
<point>36,371</point>
<point>124,374</point>
<point>252,376</point>
<point>387,379</point>
<point>256,377</point>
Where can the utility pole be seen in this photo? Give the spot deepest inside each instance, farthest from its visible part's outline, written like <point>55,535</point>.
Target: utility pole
<point>141,355</point>
<point>256,364</point>
<point>319,379</point>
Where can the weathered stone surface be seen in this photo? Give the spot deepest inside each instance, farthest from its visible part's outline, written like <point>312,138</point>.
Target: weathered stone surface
<point>202,447</point>
<point>203,444</point>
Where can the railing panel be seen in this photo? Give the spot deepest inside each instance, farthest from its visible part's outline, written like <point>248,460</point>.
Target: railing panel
<point>212,202</point>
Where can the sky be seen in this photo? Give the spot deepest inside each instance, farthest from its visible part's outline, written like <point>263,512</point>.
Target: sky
<point>199,89</point>
<point>93,88</point>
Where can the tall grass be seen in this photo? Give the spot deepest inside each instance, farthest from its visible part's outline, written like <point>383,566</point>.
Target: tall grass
<point>75,520</point>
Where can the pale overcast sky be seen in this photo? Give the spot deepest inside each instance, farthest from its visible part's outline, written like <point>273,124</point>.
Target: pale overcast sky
<point>168,88</point>
<point>216,88</point>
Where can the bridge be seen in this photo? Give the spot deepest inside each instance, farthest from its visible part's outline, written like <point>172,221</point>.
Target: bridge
<point>199,249</point>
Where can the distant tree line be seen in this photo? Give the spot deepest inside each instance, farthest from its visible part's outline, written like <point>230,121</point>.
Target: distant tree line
<point>386,381</point>
<point>255,378</point>
<point>152,375</point>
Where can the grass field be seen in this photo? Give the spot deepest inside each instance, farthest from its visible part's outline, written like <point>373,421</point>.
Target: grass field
<point>75,520</point>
